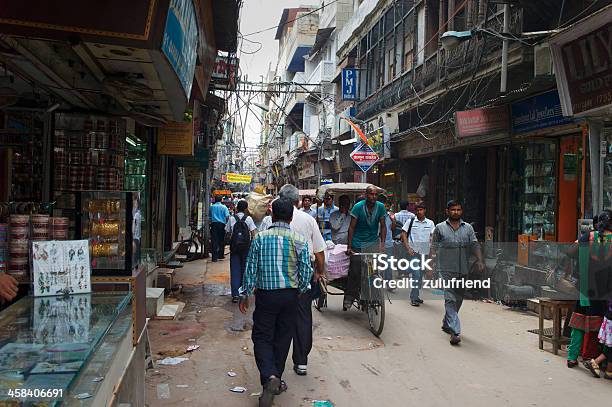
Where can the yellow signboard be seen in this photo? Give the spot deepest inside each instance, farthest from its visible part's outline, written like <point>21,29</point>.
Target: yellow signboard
<point>175,138</point>
<point>238,178</point>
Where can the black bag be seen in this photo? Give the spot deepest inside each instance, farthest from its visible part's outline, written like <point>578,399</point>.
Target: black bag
<point>399,226</point>
<point>240,241</point>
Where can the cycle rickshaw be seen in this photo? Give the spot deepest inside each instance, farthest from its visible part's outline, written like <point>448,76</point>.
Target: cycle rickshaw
<point>371,299</point>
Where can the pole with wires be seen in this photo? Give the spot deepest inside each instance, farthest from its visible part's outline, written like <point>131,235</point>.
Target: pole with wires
<point>504,68</point>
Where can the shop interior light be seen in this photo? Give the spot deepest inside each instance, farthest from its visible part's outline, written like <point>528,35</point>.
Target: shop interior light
<point>130,141</point>
<point>389,174</point>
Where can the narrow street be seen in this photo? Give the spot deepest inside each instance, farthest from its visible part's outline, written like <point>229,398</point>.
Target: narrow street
<point>498,362</point>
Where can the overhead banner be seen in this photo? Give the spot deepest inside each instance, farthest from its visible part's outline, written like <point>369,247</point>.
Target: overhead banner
<point>175,138</point>
<point>238,178</point>
<point>479,122</point>
<point>349,84</point>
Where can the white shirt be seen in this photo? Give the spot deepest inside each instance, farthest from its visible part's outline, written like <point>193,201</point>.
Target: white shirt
<point>266,222</point>
<point>311,212</point>
<point>420,235</point>
<point>229,227</point>
<point>340,223</point>
<point>305,225</point>
<point>404,216</point>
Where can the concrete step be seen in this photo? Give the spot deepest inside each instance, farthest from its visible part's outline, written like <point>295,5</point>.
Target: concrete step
<point>170,311</point>
<point>155,301</point>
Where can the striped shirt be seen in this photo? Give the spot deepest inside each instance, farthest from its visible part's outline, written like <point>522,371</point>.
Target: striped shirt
<point>278,259</point>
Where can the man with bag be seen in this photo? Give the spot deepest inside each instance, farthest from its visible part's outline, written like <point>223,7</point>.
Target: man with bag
<point>416,238</point>
<point>242,229</point>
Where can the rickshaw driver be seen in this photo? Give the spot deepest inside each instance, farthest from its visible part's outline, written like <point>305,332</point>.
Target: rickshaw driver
<point>367,234</point>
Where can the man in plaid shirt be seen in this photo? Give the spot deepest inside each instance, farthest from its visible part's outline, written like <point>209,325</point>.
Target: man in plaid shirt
<point>278,270</point>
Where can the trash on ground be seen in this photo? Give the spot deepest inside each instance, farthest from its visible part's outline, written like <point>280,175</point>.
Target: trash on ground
<point>171,361</point>
<point>182,386</point>
<point>245,348</point>
<point>329,338</point>
<point>163,391</point>
<point>98,379</point>
<point>191,340</point>
<point>238,389</point>
<point>191,348</point>
<point>232,374</point>
<point>82,396</point>
<point>322,403</point>
<point>256,394</point>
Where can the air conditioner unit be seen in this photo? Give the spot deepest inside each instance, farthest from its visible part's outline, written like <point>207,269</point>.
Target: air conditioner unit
<point>542,61</point>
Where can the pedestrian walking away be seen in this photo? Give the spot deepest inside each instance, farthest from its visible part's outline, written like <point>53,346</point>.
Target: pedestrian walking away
<point>219,214</point>
<point>453,242</point>
<point>367,234</point>
<point>279,269</point>
<point>242,230</point>
<point>306,226</point>
<point>416,239</point>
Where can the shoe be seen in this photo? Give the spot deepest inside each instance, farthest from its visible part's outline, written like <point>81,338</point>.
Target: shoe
<point>455,339</point>
<point>420,301</point>
<point>300,370</point>
<point>608,375</point>
<point>572,363</point>
<point>347,303</point>
<point>415,303</point>
<point>282,388</point>
<point>235,299</point>
<point>448,330</point>
<point>592,367</point>
<point>214,260</point>
<point>270,389</point>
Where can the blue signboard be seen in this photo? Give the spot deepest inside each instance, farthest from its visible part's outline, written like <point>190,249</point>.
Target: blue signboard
<point>538,112</point>
<point>180,43</point>
<point>349,84</point>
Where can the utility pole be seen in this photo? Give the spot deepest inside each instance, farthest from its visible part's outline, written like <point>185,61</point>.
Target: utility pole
<point>504,68</point>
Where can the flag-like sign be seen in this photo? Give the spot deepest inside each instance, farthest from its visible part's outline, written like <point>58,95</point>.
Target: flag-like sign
<point>364,157</point>
<point>238,178</point>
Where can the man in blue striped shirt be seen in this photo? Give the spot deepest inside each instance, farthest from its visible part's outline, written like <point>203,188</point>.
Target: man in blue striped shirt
<point>278,270</point>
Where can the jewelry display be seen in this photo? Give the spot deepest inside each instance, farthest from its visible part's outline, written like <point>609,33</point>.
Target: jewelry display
<point>61,267</point>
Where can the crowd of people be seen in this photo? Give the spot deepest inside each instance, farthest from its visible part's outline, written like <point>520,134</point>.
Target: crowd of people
<point>281,262</point>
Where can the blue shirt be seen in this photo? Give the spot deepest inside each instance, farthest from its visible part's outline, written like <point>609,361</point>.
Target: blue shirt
<point>324,213</point>
<point>278,258</point>
<point>368,224</point>
<point>219,213</point>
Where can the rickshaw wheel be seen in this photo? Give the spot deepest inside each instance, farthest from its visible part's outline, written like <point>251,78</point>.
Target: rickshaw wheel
<point>376,309</point>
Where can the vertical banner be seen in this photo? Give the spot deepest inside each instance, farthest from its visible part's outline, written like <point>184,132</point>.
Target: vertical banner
<point>349,84</point>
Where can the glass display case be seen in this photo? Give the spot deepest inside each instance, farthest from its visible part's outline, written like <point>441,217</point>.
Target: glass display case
<point>534,190</point>
<point>46,342</point>
<point>111,221</point>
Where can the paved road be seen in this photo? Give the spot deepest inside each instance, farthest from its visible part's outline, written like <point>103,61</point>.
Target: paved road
<point>498,362</point>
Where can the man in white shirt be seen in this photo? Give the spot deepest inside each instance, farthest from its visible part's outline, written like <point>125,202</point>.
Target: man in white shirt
<point>307,207</point>
<point>341,220</point>
<point>404,215</point>
<point>416,238</point>
<point>239,250</point>
<point>305,225</point>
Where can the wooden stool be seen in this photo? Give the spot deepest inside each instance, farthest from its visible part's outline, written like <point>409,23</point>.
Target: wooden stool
<point>555,307</point>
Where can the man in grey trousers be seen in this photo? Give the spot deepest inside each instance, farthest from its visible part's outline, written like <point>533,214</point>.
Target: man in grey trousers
<point>452,243</point>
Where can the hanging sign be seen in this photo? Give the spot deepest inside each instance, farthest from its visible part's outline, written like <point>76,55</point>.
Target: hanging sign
<point>238,178</point>
<point>479,122</point>
<point>349,84</point>
<point>364,157</point>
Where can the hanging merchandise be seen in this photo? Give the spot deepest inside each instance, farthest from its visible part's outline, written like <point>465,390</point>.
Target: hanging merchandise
<point>423,186</point>
<point>61,267</point>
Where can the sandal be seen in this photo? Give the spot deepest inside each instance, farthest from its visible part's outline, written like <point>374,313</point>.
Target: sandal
<point>593,367</point>
<point>282,388</point>
<point>572,363</point>
<point>608,375</point>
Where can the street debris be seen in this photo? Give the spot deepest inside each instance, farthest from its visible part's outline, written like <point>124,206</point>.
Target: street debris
<point>171,361</point>
<point>82,396</point>
<point>322,403</point>
<point>329,338</point>
<point>191,348</point>
<point>232,374</point>
<point>182,386</point>
<point>256,394</point>
<point>238,389</point>
<point>191,340</point>
<point>163,391</point>
<point>98,379</point>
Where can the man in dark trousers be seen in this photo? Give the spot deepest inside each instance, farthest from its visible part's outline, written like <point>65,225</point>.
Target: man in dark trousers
<point>279,269</point>
<point>219,214</point>
<point>453,241</point>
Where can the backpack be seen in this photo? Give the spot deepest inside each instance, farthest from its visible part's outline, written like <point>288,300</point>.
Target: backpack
<point>240,241</point>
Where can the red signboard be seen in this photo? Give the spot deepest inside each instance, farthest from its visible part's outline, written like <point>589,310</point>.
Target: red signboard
<point>478,122</point>
<point>586,65</point>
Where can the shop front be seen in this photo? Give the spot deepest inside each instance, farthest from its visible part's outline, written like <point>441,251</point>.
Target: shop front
<point>547,171</point>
